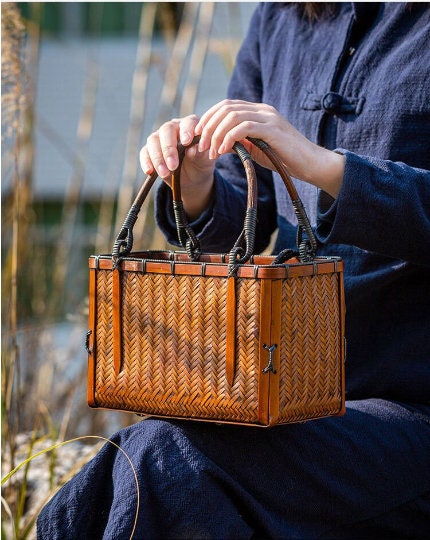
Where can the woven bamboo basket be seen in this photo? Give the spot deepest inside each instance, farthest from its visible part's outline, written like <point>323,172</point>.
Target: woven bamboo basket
<point>236,338</point>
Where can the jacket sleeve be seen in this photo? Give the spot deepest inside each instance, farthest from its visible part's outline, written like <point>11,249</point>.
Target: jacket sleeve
<point>383,206</point>
<point>220,225</point>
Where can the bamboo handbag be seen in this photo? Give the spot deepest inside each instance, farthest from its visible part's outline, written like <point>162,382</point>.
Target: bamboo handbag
<point>236,338</point>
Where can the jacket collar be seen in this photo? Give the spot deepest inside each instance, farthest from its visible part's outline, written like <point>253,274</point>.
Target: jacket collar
<point>364,12</point>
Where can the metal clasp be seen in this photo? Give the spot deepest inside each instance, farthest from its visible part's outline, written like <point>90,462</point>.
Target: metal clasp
<point>87,341</point>
<point>271,349</point>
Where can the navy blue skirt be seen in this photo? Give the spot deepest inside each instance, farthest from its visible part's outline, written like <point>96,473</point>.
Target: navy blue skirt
<point>364,475</point>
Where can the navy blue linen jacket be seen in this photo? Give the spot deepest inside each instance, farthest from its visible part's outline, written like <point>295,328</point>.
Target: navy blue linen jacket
<point>357,82</point>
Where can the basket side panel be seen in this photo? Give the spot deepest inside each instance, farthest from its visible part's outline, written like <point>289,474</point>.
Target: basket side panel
<point>173,348</point>
<point>311,360</point>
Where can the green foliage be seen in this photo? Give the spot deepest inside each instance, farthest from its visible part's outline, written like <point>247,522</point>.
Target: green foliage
<point>95,18</point>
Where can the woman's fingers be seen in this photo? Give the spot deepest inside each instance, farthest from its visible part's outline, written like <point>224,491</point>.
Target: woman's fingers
<point>187,128</point>
<point>145,161</point>
<point>155,154</point>
<point>235,127</point>
<point>160,152</point>
<point>210,121</point>
<point>233,120</point>
<point>168,136</point>
<point>225,106</point>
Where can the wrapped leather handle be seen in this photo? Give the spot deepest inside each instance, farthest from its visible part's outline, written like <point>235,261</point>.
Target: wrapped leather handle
<point>307,244</point>
<point>244,245</point>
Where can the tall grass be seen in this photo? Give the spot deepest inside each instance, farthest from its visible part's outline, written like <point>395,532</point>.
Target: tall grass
<point>16,127</point>
<point>42,398</point>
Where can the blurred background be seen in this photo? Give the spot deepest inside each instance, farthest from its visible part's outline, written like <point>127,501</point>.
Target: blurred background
<point>83,85</point>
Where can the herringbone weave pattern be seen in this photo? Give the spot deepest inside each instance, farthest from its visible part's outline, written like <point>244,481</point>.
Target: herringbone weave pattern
<point>173,341</point>
<point>310,362</point>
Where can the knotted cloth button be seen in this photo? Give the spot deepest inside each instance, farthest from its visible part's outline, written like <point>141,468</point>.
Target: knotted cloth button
<point>331,102</point>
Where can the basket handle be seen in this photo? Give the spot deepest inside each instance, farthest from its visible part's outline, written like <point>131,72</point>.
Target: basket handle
<point>244,245</point>
<point>306,241</point>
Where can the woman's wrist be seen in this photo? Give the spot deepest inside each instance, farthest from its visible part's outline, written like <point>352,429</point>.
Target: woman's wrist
<point>196,198</point>
<point>326,170</point>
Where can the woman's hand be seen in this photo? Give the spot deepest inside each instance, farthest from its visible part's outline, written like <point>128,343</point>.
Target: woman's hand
<point>160,154</point>
<point>233,120</point>
<point>220,127</point>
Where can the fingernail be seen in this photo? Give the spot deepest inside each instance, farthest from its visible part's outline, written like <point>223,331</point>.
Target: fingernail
<point>186,137</point>
<point>202,145</point>
<point>171,163</point>
<point>222,149</point>
<point>147,168</point>
<point>163,171</point>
